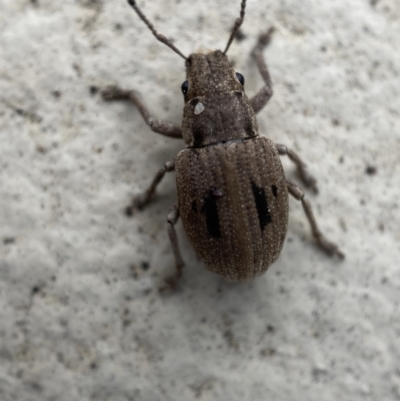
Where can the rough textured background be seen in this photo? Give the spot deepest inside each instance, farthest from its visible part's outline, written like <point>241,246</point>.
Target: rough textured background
<point>81,317</point>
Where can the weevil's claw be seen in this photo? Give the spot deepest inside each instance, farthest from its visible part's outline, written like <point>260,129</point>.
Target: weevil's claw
<point>339,253</point>
<point>265,38</point>
<point>171,282</point>
<point>330,248</point>
<point>138,203</point>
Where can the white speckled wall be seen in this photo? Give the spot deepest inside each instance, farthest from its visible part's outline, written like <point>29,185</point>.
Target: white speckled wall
<point>81,317</point>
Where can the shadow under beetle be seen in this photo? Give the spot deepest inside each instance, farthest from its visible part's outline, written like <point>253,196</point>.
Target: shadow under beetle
<point>231,187</point>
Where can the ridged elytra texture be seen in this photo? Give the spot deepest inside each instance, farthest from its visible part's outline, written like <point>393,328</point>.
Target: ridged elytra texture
<point>233,201</point>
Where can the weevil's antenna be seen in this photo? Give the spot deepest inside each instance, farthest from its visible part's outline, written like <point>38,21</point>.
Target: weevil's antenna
<point>238,23</point>
<point>160,37</point>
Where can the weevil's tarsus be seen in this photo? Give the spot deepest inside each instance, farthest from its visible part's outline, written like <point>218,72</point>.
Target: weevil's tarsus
<point>141,201</point>
<point>329,247</point>
<point>308,180</point>
<point>161,127</point>
<point>159,36</point>
<point>238,23</point>
<point>171,282</point>
<point>259,101</point>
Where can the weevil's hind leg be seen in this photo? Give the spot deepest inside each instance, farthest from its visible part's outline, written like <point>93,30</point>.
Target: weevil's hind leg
<point>308,180</point>
<point>326,245</point>
<point>141,201</point>
<point>159,126</point>
<point>172,219</point>
<point>259,101</point>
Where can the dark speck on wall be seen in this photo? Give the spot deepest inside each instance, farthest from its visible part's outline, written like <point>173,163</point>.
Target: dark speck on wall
<point>145,265</point>
<point>370,170</point>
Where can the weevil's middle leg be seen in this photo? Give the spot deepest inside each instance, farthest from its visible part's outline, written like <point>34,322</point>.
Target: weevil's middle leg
<point>259,101</point>
<point>172,219</point>
<point>326,245</point>
<point>141,201</point>
<point>308,180</point>
<point>159,126</point>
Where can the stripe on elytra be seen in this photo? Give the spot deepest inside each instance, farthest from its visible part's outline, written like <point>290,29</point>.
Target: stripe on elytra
<point>264,214</point>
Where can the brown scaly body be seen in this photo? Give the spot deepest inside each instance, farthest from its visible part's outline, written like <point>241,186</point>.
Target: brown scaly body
<point>232,190</point>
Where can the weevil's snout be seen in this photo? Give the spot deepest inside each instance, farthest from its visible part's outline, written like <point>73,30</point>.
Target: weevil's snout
<point>209,75</point>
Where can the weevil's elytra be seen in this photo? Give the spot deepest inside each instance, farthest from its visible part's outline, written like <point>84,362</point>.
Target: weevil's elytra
<point>233,233</point>
<point>231,187</point>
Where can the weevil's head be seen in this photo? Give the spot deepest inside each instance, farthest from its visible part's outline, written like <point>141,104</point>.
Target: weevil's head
<point>216,108</point>
<point>210,74</point>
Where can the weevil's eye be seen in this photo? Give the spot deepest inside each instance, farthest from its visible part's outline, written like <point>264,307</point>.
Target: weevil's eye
<point>240,78</point>
<point>185,87</point>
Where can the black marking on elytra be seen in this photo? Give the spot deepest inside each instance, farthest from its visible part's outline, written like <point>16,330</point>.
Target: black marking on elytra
<point>210,209</point>
<point>194,206</point>
<point>274,190</point>
<point>264,214</point>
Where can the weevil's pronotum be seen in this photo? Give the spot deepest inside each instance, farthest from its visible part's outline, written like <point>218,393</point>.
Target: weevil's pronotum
<point>231,187</point>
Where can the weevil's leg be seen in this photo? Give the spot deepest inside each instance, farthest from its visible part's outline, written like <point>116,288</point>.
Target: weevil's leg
<point>308,180</point>
<point>327,246</point>
<point>142,200</point>
<point>159,126</point>
<point>265,93</point>
<point>172,219</point>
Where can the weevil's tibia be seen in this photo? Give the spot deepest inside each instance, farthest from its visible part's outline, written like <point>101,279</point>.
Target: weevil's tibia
<point>259,101</point>
<point>238,23</point>
<point>161,127</point>
<point>159,36</point>
<point>326,245</point>
<point>141,201</point>
<point>172,219</point>
<point>305,176</point>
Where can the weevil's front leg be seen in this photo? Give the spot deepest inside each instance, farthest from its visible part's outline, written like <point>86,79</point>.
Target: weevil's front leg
<point>327,246</point>
<point>141,201</point>
<point>159,126</point>
<point>172,219</point>
<point>306,177</point>
<point>262,97</point>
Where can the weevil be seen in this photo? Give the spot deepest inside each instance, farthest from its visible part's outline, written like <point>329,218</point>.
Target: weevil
<point>231,188</point>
